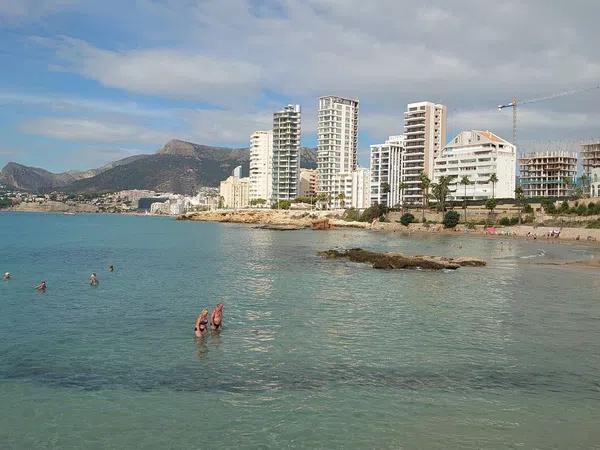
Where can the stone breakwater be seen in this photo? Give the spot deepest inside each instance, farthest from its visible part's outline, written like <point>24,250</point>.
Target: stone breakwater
<point>399,261</point>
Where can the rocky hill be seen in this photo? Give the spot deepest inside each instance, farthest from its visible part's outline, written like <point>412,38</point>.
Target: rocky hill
<point>179,167</point>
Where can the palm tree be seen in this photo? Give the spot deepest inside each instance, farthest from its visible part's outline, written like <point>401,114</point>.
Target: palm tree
<point>440,191</point>
<point>425,183</point>
<point>520,199</point>
<point>493,180</point>
<point>401,187</point>
<point>341,197</point>
<point>385,188</point>
<point>465,182</point>
<point>321,197</point>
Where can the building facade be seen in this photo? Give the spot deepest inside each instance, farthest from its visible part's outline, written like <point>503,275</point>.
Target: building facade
<point>548,174</point>
<point>337,141</point>
<point>595,182</point>
<point>261,166</point>
<point>387,162</point>
<point>425,131</point>
<point>309,179</point>
<point>477,155</point>
<point>235,192</point>
<point>590,155</point>
<point>286,153</point>
<point>361,188</point>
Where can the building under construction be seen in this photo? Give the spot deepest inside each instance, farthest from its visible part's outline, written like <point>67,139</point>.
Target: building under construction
<point>590,154</point>
<point>548,174</point>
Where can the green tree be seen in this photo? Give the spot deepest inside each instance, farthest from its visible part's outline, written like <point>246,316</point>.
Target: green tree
<point>401,187</point>
<point>440,191</point>
<point>385,188</point>
<point>322,198</point>
<point>520,200</point>
<point>257,201</point>
<point>491,205</point>
<point>493,180</point>
<point>407,219</point>
<point>425,185</point>
<point>341,197</point>
<point>465,182</point>
<point>451,219</point>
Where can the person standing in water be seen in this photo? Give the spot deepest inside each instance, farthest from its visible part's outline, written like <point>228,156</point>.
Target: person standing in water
<point>93,279</point>
<point>201,323</point>
<point>41,287</point>
<point>7,276</point>
<point>216,319</point>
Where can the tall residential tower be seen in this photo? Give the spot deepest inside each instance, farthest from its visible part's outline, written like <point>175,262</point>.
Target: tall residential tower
<point>286,153</point>
<point>261,165</point>
<point>337,135</point>
<point>425,131</point>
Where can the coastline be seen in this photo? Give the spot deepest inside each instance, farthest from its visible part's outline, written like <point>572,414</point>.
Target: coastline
<point>303,219</point>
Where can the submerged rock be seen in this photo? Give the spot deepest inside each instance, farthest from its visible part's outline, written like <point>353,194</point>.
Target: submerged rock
<point>399,261</point>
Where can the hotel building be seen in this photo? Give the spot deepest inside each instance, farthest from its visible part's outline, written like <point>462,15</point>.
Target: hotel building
<point>477,155</point>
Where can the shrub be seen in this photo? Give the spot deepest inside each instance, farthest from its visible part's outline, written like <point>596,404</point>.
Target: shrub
<point>581,210</point>
<point>451,219</point>
<point>564,207</point>
<point>594,224</point>
<point>548,206</point>
<point>505,221</point>
<point>373,212</point>
<point>407,219</point>
<point>282,204</point>
<point>593,208</point>
<point>351,215</point>
<point>528,209</point>
<point>470,225</point>
<point>514,220</point>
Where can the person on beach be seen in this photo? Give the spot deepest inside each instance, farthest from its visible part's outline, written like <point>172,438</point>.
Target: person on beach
<point>216,319</point>
<point>41,287</point>
<point>93,279</point>
<point>201,323</point>
<point>111,268</point>
<point>6,276</point>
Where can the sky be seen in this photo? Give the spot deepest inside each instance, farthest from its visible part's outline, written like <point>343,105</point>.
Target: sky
<point>83,83</point>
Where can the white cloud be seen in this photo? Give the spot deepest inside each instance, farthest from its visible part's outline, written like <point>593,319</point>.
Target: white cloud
<point>96,131</point>
<point>19,10</point>
<point>161,72</point>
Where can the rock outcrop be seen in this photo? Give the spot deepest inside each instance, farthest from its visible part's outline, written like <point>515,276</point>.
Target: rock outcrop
<point>399,261</point>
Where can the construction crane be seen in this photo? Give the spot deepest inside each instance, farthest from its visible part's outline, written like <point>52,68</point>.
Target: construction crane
<point>515,102</point>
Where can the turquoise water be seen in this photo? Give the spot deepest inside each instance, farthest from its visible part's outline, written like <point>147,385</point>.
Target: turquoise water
<point>313,354</point>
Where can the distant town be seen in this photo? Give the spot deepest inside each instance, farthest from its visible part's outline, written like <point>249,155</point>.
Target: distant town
<point>407,170</point>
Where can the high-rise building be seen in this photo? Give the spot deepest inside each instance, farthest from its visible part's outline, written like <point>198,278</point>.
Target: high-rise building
<point>237,172</point>
<point>425,131</point>
<point>590,155</point>
<point>235,192</point>
<point>337,135</point>
<point>548,174</point>
<point>309,179</point>
<point>286,153</point>
<point>361,188</point>
<point>387,161</point>
<point>477,155</point>
<point>261,166</point>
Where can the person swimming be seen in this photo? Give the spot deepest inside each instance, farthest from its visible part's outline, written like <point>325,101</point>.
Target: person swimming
<point>201,323</point>
<point>111,268</point>
<point>41,287</point>
<point>93,279</point>
<point>7,276</point>
<point>216,319</point>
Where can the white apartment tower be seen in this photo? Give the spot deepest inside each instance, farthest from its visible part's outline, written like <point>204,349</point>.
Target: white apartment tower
<point>286,153</point>
<point>477,155</point>
<point>387,161</point>
<point>425,131</point>
<point>337,135</point>
<point>261,165</point>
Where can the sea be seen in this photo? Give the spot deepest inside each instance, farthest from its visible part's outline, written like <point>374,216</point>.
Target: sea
<point>313,353</point>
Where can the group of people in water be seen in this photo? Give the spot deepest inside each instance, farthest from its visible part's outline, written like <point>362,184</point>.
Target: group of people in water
<point>43,286</point>
<point>216,320</point>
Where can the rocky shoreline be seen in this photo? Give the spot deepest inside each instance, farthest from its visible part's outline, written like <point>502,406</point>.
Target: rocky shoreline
<point>399,261</point>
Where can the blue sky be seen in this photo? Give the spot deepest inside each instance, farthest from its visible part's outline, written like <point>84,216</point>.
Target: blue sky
<point>84,83</point>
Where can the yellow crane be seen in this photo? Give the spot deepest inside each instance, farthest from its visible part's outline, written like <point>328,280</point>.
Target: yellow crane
<point>515,102</point>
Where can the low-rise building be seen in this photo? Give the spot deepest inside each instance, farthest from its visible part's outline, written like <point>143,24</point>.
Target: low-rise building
<point>478,155</point>
<point>234,192</point>
<point>548,174</point>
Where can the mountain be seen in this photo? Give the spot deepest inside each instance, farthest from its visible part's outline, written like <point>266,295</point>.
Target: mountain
<point>180,167</point>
